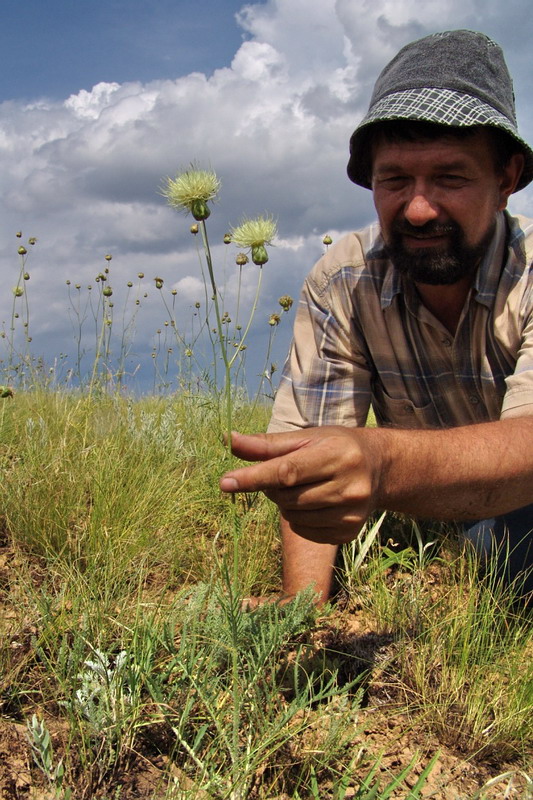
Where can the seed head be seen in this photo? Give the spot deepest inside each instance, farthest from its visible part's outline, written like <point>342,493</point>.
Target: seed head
<point>190,191</point>
<point>194,229</point>
<point>18,291</point>
<point>22,250</point>
<point>174,292</point>
<point>140,275</point>
<point>32,240</point>
<point>108,257</point>
<point>129,284</point>
<point>227,238</point>
<point>158,283</point>
<point>18,234</point>
<point>286,302</point>
<point>327,240</point>
<point>274,319</point>
<point>241,259</point>
<point>107,291</point>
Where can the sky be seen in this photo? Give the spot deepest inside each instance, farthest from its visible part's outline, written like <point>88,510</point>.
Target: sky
<point>101,100</point>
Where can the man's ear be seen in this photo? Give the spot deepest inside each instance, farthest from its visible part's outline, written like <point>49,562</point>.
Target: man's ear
<point>510,177</point>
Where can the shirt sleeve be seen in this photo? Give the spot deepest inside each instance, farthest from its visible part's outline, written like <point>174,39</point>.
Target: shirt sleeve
<point>326,378</point>
<point>518,399</point>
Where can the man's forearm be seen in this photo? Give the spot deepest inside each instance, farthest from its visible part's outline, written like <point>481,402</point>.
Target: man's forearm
<point>306,563</point>
<point>462,473</point>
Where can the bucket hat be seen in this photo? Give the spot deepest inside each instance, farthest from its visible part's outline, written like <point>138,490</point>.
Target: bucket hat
<point>454,78</point>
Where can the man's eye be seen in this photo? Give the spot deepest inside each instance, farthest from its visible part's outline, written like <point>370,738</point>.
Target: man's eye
<point>453,180</point>
<point>393,181</point>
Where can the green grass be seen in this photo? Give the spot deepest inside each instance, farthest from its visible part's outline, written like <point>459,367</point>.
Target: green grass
<point>125,653</point>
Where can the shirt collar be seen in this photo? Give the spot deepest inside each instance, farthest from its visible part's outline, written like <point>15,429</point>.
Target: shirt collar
<point>485,283</point>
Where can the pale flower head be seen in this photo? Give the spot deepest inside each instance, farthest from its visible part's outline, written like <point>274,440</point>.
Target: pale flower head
<point>190,191</point>
<point>255,234</point>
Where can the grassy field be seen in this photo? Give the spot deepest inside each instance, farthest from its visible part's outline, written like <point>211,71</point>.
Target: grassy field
<point>129,670</point>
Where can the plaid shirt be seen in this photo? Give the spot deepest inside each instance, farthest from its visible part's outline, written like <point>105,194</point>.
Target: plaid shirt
<point>363,338</point>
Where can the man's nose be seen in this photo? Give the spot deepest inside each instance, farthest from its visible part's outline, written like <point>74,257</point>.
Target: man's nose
<point>420,209</point>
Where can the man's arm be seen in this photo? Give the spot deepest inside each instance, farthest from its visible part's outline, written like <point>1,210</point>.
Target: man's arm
<point>306,563</point>
<point>326,481</point>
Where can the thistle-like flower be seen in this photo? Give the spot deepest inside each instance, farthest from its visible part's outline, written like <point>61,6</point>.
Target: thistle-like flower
<point>255,234</point>
<point>190,191</point>
<point>286,302</point>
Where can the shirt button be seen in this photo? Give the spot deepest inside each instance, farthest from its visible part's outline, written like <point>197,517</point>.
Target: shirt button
<point>447,342</point>
<point>409,409</point>
<point>474,399</point>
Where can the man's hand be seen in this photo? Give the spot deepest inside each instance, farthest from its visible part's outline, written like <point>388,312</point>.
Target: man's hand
<point>324,480</point>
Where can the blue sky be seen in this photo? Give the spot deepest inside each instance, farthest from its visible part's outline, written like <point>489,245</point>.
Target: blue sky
<point>56,47</point>
<point>99,101</point>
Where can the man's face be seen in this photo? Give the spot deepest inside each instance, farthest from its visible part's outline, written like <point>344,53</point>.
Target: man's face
<point>437,203</point>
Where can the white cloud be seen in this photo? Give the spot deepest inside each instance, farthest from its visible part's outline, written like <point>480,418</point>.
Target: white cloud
<point>84,174</point>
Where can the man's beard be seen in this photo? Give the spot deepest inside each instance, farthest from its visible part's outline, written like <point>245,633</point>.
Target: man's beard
<point>437,266</point>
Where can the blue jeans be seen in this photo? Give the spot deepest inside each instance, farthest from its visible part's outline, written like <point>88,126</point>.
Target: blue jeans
<point>508,540</point>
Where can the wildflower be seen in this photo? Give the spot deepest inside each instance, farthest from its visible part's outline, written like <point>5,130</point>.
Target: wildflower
<point>67,282</point>
<point>286,302</point>
<point>158,283</point>
<point>32,240</point>
<point>255,233</point>
<point>18,291</point>
<point>107,291</point>
<point>191,191</point>
<point>188,352</point>
<point>22,250</point>
<point>174,292</point>
<point>26,276</point>
<point>140,275</point>
<point>129,284</point>
<point>241,259</point>
<point>108,257</point>
<point>18,234</point>
<point>327,240</point>
<point>274,319</point>
<point>194,229</point>
<point>227,238</point>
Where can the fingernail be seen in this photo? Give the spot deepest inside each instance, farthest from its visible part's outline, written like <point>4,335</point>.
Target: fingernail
<point>229,485</point>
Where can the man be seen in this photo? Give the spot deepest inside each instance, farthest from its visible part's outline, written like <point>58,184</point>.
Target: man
<point>427,317</point>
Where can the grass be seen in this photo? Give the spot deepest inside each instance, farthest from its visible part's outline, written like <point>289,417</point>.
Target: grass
<point>126,657</point>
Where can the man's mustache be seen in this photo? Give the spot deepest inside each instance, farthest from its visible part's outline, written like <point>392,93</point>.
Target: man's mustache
<point>405,228</point>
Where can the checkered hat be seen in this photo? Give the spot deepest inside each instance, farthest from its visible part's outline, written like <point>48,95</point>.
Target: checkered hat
<point>455,78</point>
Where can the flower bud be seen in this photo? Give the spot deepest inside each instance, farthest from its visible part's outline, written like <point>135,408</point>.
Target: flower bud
<point>32,240</point>
<point>274,319</point>
<point>327,240</point>
<point>18,291</point>
<point>227,238</point>
<point>200,210</point>
<point>158,283</point>
<point>286,302</point>
<point>26,276</point>
<point>194,229</point>
<point>22,250</point>
<point>241,259</point>
<point>140,275</point>
<point>108,257</point>
<point>259,254</point>
<point>18,234</point>
<point>107,291</point>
